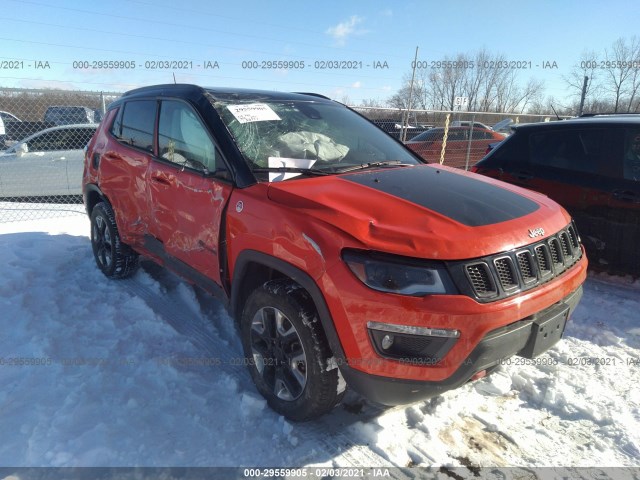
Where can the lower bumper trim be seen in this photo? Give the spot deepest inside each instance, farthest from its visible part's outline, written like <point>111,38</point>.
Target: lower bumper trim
<point>525,338</point>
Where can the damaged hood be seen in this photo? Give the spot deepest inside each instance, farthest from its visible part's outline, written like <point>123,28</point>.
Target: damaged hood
<point>425,211</point>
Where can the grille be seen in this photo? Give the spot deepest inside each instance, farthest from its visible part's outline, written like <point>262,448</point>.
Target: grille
<point>414,344</point>
<point>481,279</point>
<point>575,243</point>
<point>544,262</point>
<point>506,273</point>
<point>564,243</point>
<point>525,264</point>
<point>554,248</point>
<point>498,276</point>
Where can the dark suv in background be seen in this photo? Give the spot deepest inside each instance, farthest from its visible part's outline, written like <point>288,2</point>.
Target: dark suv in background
<point>591,166</point>
<point>66,115</point>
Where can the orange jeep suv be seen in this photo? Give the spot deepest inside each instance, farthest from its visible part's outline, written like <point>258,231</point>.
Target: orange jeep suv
<point>345,259</point>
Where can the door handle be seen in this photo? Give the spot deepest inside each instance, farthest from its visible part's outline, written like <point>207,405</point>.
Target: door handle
<point>523,175</point>
<point>626,196</point>
<point>161,179</point>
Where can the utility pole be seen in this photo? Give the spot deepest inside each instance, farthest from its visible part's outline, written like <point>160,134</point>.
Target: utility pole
<point>405,124</point>
<point>584,94</point>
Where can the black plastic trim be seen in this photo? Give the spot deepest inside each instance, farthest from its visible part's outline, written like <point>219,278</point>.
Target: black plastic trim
<point>156,247</point>
<point>504,342</point>
<point>460,275</point>
<point>92,188</point>
<point>247,257</point>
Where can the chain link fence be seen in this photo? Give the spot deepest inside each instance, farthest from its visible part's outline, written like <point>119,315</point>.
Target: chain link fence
<point>43,134</point>
<point>454,138</point>
<point>42,138</point>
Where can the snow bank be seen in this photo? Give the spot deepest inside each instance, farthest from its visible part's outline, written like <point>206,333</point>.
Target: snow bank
<point>93,374</point>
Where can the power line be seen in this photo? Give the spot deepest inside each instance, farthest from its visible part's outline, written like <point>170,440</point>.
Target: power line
<point>147,21</point>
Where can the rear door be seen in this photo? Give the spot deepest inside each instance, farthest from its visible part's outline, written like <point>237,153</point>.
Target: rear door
<point>622,222</point>
<point>124,165</point>
<point>187,194</point>
<point>565,164</point>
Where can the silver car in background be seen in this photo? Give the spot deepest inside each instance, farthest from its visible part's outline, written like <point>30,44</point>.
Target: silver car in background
<point>46,164</point>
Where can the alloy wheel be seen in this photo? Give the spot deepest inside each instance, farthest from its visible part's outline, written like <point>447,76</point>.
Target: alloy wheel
<point>278,354</point>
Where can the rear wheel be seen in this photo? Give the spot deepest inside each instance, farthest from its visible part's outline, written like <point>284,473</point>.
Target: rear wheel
<point>287,352</point>
<point>114,258</point>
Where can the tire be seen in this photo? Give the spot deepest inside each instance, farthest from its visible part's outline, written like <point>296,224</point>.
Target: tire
<point>287,353</point>
<point>114,258</point>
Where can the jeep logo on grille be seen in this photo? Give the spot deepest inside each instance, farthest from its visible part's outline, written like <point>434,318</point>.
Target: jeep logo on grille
<point>536,232</point>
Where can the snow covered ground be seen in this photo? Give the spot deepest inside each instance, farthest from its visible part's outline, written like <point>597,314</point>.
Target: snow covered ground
<point>144,372</point>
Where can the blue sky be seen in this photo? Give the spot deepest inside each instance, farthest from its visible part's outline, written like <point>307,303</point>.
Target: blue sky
<point>365,33</point>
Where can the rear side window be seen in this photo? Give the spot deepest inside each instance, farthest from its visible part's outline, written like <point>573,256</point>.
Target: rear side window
<point>430,135</point>
<point>456,135</point>
<point>481,134</point>
<point>49,142</point>
<point>632,154</point>
<point>576,150</point>
<point>79,138</point>
<point>65,139</point>
<point>511,151</point>
<point>134,124</point>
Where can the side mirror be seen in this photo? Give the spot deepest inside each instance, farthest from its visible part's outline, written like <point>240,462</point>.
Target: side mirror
<point>21,150</point>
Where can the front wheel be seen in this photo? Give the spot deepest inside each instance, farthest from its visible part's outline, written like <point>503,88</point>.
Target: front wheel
<point>287,352</point>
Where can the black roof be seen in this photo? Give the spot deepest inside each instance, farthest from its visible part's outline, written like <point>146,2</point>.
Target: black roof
<point>223,93</point>
<point>583,121</point>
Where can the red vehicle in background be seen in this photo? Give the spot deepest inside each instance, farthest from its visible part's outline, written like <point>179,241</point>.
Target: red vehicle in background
<point>460,151</point>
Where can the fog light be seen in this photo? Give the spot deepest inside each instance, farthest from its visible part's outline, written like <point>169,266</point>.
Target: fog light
<point>417,345</point>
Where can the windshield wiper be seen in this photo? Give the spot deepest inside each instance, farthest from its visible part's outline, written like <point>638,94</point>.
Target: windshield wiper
<point>302,171</point>
<point>394,163</point>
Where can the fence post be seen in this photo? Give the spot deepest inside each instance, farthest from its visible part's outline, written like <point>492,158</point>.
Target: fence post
<point>473,119</point>
<point>413,76</point>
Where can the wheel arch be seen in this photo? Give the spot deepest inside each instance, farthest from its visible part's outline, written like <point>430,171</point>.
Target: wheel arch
<point>92,196</point>
<point>253,268</point>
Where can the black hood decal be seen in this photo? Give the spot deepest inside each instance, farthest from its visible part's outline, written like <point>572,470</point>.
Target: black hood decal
<point>464,199</point>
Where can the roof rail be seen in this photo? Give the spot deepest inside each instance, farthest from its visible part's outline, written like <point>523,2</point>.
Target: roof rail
<point>313,95</point>
<point>619,114</point>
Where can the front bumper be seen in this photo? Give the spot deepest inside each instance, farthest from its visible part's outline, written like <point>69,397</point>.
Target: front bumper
<point>528,337</point>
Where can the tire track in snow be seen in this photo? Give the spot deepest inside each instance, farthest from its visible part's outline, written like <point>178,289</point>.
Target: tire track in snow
<point>343,451</point>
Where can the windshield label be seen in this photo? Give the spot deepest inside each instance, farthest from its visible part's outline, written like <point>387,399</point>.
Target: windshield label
<point>253,112</point>
<point>275,162</point>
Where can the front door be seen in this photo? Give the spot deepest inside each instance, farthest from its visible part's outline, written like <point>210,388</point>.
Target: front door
<point>186,198</point>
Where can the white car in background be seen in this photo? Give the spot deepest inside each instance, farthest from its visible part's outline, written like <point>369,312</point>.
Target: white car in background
<point>46,164</point>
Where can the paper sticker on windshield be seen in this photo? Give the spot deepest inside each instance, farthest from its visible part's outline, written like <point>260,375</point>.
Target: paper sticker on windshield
<point>275,162</point>
<point>253,112</point>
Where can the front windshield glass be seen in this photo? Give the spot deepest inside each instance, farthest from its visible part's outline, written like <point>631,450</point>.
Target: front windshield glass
<point>300,135</point>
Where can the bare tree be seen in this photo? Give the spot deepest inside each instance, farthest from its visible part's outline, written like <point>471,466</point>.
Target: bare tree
<point>371,103</point>
<point>619,73</point>
<point>400,99</point>
<point>477,76</point>
<point>633,90</point>
<point>587,66</point>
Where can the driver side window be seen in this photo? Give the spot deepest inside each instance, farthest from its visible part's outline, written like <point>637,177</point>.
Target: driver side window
<point>183,139</point>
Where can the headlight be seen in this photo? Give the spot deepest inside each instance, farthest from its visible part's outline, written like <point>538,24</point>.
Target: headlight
<point>401,275</point>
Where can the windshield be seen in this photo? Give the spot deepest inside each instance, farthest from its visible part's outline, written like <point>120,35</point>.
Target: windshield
<point>323,138</point>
